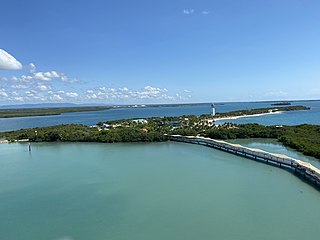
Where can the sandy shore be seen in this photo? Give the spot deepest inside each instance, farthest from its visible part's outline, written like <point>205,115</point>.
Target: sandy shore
<point>245,116</point>
<point>4,141</point>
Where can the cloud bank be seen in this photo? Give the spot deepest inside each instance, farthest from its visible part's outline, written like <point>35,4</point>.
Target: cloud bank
<point>32,92</point>
<point>8,62</point>
<point>53,86</point>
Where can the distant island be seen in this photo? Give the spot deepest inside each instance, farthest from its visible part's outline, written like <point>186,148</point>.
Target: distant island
<point>304,138</point>
<point>29,112</point>
<point>47,111</point>
<point>257,112</point>
<point>281,104</point>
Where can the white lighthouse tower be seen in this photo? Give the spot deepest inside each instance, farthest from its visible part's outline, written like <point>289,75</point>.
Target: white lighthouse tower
<point>213,109</point>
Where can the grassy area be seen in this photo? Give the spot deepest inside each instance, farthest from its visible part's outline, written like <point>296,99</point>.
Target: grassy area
<point>27,112</point>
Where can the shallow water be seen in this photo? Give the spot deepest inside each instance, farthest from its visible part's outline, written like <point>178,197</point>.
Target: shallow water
<point>149,191</point>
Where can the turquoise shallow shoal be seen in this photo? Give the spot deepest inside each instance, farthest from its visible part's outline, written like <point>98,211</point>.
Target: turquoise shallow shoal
<point>149,191</point>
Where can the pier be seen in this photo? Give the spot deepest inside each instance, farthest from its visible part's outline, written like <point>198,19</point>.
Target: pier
<point>303,169</point>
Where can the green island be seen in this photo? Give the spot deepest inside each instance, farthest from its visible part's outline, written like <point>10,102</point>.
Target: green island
<point>29,112</point>
<point>259,111</point>
<point>304,138</point>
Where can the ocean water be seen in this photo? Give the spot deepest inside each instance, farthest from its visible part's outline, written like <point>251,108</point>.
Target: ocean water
<point>149,191</point>
<point>90,118</point>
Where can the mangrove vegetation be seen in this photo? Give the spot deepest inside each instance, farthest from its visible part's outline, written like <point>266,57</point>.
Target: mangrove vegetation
<point>304,138</point>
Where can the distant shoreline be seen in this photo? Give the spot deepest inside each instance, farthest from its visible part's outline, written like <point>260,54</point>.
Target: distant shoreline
<point>37,112</point>
<point>246,116</point>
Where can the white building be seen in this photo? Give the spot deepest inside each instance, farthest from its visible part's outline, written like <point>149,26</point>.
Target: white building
<point>143,121</point>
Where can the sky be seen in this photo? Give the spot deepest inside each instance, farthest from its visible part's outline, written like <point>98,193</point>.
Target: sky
<point>146,51</point>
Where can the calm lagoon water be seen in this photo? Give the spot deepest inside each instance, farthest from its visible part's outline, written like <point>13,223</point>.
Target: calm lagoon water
<point>149,191</point>
<point>90,118</point>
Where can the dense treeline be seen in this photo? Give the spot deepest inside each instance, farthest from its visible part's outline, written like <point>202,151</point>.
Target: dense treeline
<point>245,131</point>
<point>305,138</point>
<point>81,133</point>
<point>27,112</point>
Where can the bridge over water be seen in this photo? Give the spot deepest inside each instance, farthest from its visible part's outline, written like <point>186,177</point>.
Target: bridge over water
<point>303,169</point>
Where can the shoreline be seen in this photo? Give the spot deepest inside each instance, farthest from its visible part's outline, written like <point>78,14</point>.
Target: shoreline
<point>246,116</point>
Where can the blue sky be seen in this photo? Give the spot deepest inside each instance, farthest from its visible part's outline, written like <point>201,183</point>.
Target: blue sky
<point>160,51</point>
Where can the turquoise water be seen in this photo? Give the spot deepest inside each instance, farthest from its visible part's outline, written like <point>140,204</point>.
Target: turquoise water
<point>149,191</point>
<point>91,118</point>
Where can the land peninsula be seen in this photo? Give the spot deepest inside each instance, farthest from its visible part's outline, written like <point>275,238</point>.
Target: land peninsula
<point>304,138</point>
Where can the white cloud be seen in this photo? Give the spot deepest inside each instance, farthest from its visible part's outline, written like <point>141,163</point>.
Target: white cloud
<point>275,94</point>
<point>72,94</point>
<point>19,86</point>
<point>40,76</point>
<point>187,91</point>
<point>8,62</point>
<point>205,12</point>
<point>65,78</point>
<point>18,99</point>
<point>3,93</point>
<point>37,87</point>
<point>56,97</point>
<point>188,11</point>
<point>42,87</point>
<point>146,93</point>
<point>47,76</point>
<point>92,96</point>
<point>32,67</point>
